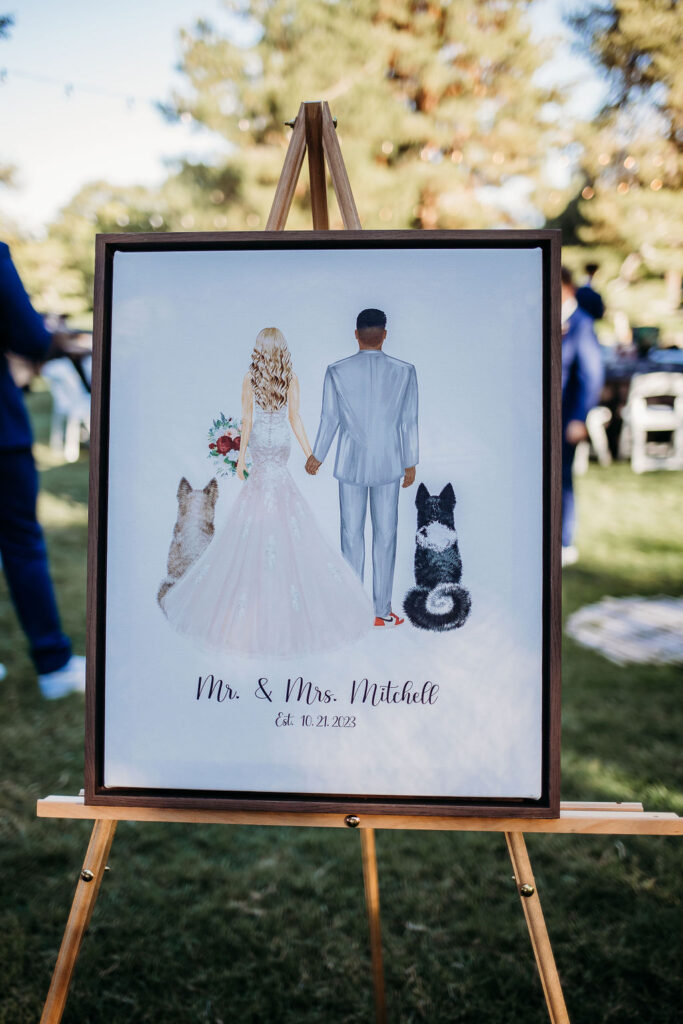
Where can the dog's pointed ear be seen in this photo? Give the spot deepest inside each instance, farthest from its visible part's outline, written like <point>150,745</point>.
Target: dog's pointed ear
<point>184,488</point>
<point>421,496</point>
<point>211,488</point>
<point>447,496</point>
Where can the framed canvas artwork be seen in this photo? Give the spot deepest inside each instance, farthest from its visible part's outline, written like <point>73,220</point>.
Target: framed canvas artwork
<point>324,543</point>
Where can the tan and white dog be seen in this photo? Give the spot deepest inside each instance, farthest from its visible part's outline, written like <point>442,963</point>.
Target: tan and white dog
<point>192,532</point>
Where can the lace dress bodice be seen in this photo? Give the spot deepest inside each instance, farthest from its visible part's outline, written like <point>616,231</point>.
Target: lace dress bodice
<point>270,439</point>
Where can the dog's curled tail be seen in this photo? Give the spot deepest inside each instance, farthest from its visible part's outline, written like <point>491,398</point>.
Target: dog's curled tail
<point>445,607</point>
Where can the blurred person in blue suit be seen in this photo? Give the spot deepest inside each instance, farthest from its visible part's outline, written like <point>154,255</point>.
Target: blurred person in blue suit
<point>588,299</point>
<point>22,545</point>
<point>582,380</point>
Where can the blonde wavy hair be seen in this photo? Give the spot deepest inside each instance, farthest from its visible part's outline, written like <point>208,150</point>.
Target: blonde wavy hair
<point>271,369</point>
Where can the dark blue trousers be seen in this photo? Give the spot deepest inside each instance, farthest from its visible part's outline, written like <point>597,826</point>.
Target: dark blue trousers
<point>568,513</point>
<point>24,559</point>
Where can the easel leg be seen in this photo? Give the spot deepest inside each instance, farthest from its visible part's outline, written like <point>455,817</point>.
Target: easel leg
<point>367,845</point>
<point>79,918</point>
<point>531,905</point>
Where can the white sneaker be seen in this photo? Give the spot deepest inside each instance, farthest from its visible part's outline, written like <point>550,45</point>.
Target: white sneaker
<point>570,555</point>
<point>68,679</point>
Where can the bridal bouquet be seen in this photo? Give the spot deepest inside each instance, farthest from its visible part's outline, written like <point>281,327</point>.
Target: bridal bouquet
<point>224,445</point>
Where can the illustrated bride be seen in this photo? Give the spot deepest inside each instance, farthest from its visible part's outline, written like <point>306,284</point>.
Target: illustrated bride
<point>269,582</point>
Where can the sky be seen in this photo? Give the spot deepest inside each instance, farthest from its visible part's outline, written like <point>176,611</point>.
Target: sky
<point>79,81</point>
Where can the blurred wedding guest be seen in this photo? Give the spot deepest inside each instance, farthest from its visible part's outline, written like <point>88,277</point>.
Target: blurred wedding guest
<point>22,545</point>
<point>582,379</point>
<point>588,299</point>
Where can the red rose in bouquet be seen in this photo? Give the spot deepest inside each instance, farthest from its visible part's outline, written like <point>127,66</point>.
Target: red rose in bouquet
<point>224,444</point>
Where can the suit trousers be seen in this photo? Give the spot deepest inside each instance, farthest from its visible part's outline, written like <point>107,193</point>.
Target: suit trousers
<point>24,559</point>
<point>568,510</point>
<point>353,504</point>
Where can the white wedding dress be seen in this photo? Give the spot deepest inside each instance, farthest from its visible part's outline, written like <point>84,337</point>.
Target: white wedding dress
<point>269,582</point>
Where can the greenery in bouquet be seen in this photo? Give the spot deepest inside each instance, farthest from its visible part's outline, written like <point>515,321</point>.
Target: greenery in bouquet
<point>224,440</point>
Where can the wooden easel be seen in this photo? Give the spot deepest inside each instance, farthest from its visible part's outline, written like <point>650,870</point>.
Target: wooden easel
<point>314,131</point>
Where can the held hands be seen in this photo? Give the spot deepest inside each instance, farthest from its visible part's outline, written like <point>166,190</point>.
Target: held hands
<point>575,431</point>
<point>312,467</point>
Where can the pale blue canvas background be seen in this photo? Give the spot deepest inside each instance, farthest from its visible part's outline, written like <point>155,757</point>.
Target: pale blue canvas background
<point>471,323</point>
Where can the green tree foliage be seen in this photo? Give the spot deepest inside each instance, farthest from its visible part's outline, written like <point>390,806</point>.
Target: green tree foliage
<point>189,200</point>
<point>436,101</point>
<point>633,154</point>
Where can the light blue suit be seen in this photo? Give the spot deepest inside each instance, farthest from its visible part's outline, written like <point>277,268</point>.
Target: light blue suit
<point>371,399</point>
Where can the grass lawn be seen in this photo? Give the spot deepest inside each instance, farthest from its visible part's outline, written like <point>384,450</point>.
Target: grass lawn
<point>210,924</point>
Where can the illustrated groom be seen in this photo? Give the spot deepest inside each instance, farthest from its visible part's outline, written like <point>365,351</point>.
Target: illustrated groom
<point>371,398</point>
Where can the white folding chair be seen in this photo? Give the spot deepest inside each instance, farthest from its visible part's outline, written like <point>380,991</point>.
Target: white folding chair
<point>70,407</point>
<point>654,405</point>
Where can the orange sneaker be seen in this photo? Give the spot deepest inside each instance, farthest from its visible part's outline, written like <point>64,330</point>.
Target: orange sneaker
<point>393,620</point>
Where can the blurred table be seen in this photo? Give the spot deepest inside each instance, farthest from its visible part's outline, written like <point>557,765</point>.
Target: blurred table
<point>619,371</point>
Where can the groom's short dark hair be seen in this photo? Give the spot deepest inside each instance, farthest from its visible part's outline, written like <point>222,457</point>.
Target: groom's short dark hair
<point>371,318</point>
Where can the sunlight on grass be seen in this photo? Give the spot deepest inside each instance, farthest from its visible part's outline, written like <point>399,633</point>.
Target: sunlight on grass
<point>47,457</point>
<point>56,512</point>
<point>607,781</point>
<point>631,526</point>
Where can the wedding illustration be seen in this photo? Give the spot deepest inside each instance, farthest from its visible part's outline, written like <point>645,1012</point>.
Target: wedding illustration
<point>321,559</point>
<point>268,582</point>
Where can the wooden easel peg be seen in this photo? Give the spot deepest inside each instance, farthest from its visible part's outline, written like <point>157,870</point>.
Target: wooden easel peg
<point>540,941</point>
<point>87,889</point>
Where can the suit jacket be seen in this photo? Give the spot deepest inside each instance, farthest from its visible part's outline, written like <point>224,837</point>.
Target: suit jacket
<point>590,301</point>
<point>21,331</point>
<point>582,367</point>
<point>371,399</point>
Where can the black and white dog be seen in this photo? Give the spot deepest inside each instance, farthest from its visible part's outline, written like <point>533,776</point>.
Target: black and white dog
<point>438,601</point>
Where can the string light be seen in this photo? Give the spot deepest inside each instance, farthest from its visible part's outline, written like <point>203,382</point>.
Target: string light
<point>387,147</point>
<point>498,157</point>
<point>70,88</point>
<point>588,192</point>
<point>656,184</point>
<point>156,220</point>
<point>603,159</point>
<point>456,156</point>
<point>629,163</point>
<point>622,187</point>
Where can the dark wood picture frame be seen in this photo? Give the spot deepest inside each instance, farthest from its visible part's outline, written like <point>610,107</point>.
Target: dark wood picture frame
<point>549,242</point>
